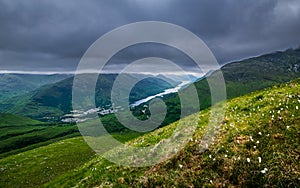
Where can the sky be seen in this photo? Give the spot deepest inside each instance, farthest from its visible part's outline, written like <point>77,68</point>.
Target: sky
<point>52,35</point>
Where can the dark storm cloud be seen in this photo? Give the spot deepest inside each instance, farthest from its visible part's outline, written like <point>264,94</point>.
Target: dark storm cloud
<point>54,34</point>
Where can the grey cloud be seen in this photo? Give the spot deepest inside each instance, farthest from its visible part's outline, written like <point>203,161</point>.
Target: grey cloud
<point>54,34</point>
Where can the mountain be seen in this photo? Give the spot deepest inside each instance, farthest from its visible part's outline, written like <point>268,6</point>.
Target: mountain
<point>261,72</point>
<point>54,100</point>
<point>12,85</point>
<point>257,146</point>
<point>243,77</point>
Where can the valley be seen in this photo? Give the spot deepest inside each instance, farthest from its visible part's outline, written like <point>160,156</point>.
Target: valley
<point>255,129</point>
<point>257,144</point>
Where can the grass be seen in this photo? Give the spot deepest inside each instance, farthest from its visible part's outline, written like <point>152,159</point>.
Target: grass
<point>35,167</point>
<point>13,120</point>
<point>18,134</point>
<point>40,165</point>
<point>257,146</point>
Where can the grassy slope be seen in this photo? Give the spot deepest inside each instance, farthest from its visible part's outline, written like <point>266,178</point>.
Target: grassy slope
<point>18,134</point>
<point>263,124</point>
<point>30,137</point>
<point>35,167</point>
<point>257,73</point>
<point>13,120</point>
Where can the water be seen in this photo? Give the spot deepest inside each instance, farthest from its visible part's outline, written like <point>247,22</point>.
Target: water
<point>82,116</point>
<point>165,92</point>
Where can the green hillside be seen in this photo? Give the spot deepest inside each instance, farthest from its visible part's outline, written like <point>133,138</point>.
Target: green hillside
<point>12,85</point>
<point>257,145</point>
<point>7,120</point>
<point>50,102</point>
<point>18,134</point>
<point>256,73</point>
<point>37,166</point>
<point>243,77</point>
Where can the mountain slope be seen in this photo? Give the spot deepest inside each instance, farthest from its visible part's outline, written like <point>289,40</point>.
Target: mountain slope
<point>256,73</point>
<point>52,101</point>
<point>243,77</point>
<point>17,84</point>
<point>257,145</point>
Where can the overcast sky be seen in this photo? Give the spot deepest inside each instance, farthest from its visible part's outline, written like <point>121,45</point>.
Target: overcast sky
<point>52,35</point>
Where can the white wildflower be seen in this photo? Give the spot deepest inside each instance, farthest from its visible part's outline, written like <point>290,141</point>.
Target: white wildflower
<point>248,160</point>
<point>251,138</point>
<point>297,107</point>
<point>259,133</point>
<point>259,159</point>
<point>180,165</point>
<point>287,127</point>
<point>264,170</point>
<point>257,141</point>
